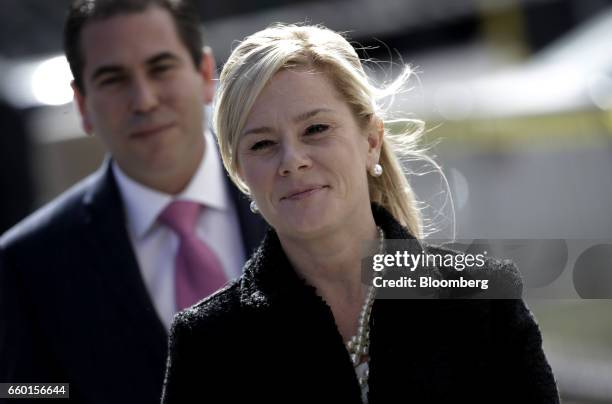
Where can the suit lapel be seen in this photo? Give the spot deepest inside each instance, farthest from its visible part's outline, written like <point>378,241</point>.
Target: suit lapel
<point>116,265</point>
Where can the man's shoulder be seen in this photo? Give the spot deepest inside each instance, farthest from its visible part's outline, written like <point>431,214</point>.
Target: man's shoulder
<point>54,219</point>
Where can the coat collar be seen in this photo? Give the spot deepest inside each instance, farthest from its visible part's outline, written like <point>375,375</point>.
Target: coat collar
<point>269,276</point>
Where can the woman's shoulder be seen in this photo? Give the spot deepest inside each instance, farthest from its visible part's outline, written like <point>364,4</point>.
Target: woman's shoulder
<point>215,309</point>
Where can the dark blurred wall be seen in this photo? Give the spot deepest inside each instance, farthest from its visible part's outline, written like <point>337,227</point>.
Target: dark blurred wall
<point>38,23</point>
<point>16,189</point>
<point>547,20</point>
<point>227,8</point>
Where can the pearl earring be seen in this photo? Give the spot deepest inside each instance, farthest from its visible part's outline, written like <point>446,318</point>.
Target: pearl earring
<point>253,207</point>
<point>376,171</point>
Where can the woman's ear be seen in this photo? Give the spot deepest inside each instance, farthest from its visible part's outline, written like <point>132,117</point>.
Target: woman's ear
<point>376,136</point>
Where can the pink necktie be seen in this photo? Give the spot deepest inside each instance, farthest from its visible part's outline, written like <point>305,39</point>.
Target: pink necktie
<point>198,272</point>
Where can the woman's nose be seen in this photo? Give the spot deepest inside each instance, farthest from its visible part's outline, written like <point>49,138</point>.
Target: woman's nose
<point>294,157</point>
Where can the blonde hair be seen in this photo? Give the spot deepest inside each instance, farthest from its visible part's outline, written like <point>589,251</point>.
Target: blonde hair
<point>260,56</point>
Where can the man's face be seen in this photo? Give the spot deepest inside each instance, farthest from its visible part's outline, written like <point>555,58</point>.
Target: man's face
<point>144,97</point>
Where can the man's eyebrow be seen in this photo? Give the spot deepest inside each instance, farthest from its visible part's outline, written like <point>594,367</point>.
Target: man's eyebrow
<point>161,57</point>
<point>107,69</point>
<point>113,69</point>
<point>301,117</point>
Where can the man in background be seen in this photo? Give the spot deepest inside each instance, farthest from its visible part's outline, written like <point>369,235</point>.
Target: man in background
<point>89,283</point>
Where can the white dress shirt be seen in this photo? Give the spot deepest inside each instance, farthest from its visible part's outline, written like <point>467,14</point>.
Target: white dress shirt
<point>156,245</point>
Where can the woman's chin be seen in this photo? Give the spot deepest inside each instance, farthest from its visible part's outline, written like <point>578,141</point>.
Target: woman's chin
<point>306,223</point>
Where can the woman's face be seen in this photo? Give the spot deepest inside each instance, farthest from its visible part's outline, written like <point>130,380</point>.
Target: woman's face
<point>304,156</point>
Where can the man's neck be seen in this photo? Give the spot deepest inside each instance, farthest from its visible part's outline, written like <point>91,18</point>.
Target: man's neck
<point>171,181</point>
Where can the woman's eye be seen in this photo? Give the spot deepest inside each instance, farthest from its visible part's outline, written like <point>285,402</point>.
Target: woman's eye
<point>262,144</point>
<point>318,128</point>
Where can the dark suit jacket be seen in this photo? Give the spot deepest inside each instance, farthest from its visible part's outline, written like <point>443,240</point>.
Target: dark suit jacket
<point>268,337</point>
<point>73,305</point>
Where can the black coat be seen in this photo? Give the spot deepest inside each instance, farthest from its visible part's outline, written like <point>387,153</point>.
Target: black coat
<point>73,305</point>
<point>269,337</point>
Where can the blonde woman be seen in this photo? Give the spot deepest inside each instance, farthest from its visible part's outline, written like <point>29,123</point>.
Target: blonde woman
<point>301,132</point>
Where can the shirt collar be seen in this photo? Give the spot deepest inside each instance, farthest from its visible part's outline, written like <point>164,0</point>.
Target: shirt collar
<point>143,204</point>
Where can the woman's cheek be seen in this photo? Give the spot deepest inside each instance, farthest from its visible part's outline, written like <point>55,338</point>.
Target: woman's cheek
<point>256,178</point>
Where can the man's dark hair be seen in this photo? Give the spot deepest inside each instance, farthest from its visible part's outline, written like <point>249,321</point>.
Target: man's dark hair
<point>186,20</point>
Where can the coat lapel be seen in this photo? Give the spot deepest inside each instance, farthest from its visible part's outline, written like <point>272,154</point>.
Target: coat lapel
<point>291,308</point>
<point>292,318</point>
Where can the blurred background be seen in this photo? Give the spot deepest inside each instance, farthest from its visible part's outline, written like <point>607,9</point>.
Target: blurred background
<point>517,100</point>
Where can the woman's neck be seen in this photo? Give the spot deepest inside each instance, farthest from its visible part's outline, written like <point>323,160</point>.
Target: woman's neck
<point>335,257</point>
<point>332,264</point>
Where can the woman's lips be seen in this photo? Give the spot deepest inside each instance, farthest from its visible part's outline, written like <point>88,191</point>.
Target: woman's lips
<point>305,193</point>
<point>147,132</point>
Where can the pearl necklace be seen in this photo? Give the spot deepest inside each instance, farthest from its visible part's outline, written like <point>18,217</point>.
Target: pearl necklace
<point>359,345</point>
